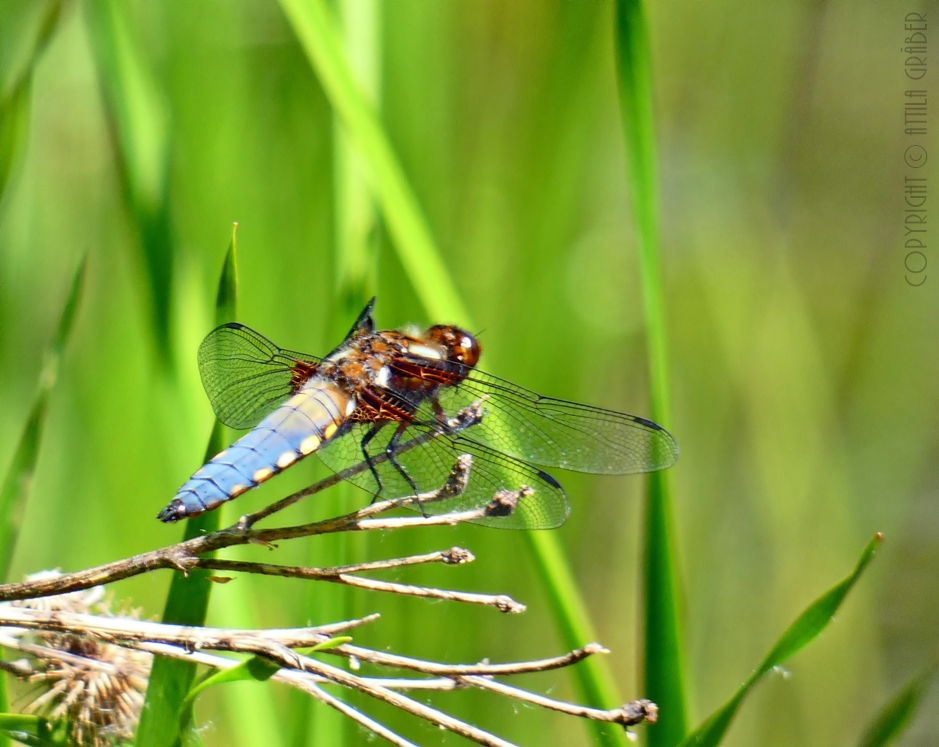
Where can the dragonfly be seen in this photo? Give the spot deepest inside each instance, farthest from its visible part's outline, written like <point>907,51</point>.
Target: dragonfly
<point>390,399</point>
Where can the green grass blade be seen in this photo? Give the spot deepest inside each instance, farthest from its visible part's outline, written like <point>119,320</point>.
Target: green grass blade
<point>592,677</point>
<point>226,300</point>
<point>15,98</point>
<point>19,479</point>
<point>255,669</point>
<point>422,262</point>
<point>138,121</point>
<point>663,659</point>
<point>357,227</point>
<point>188,599</point>
<point>410,233</point>
<point>14,125</point>
<point>356,243</point>
<point>804,630</point>
<point>897,714</point>
<point>16,486</point>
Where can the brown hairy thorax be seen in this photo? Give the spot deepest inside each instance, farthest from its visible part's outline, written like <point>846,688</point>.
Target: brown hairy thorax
<point>391,372</point>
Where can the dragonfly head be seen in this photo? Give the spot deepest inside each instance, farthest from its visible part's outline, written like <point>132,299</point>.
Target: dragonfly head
<point>460,345</point>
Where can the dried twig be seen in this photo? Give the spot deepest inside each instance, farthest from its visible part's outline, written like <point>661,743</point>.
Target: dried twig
<point>52,616</point>
<point>184,556</point>
<point>500,601</point>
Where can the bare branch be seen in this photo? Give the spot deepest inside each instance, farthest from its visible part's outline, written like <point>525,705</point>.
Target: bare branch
<point>184,556</point>
<point>404,703</point>
<point>277,645</point>
<point>451,670</point>
<point>500,601</point>
<point>453,556</point>
<point>629,715</point>
<point>360,718</point>
<point>305,672</point>
<point>126,629</point>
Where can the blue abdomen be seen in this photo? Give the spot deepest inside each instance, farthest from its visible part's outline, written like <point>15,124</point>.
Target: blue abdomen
<point>294,430</point>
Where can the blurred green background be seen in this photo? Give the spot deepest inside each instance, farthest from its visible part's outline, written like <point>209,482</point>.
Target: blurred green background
<point>805,369</point>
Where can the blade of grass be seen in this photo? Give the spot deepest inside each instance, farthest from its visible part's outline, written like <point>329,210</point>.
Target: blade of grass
<point>138,122</point>
<point>15,100</point>
<point>662,646</point>
<point>14,127</point>
<point>411,236</point>
<point>595,683</point>
<point>356,264</point>
<point>188,599</point>
<point>254,669</point>
<point>800,633</point>
<point>437,292</point>
<point>15,489</point>
<point>14,123</point>
<point>356,219</point>
<point>897,714</point>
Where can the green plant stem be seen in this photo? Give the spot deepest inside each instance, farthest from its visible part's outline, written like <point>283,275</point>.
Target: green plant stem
<point>406,224</point>
<point>140,133</point>
<point>662,645</point>
<point>188,599</point>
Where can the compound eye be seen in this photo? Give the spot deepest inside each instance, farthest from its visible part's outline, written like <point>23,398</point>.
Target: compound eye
<point>466,351</point>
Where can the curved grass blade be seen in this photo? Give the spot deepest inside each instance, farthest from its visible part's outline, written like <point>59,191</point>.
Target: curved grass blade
<point>897,714</point>
<point>802,632</point>
<point>356,243</point>
<point>188,600</point>
<point>16,486</point>
<point>256,669</point>
<point>138,122</point>
<point>14,124</point>
<point>421,260</point>
<point>663,659</point>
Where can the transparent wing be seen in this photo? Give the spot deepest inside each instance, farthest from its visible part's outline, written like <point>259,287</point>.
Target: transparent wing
<point>556,433</point>
<point>430,464</point>
<point>246,376</point>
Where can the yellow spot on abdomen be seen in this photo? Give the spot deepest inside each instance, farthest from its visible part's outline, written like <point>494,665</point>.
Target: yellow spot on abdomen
<point>238,490</point>
<point>286,459</point>
<point>262,474</point>
<point>330,430</point>
<point>309,445</point>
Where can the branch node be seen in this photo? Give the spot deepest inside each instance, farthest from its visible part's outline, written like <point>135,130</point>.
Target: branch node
<point>181,561</point>
<point>507,604</point>
<point>637,711</point>
<point>505,502</point>
<point>457,556</point>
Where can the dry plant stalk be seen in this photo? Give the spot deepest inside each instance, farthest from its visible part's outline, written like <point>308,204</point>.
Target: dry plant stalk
<point>61,636</point>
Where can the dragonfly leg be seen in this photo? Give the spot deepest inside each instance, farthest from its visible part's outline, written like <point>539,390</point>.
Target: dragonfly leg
<point>390,453</point>
<point>368,458</point>
<point>442,420</point>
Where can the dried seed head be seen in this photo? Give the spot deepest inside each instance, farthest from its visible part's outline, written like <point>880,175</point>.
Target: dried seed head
<point>97,688</point>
